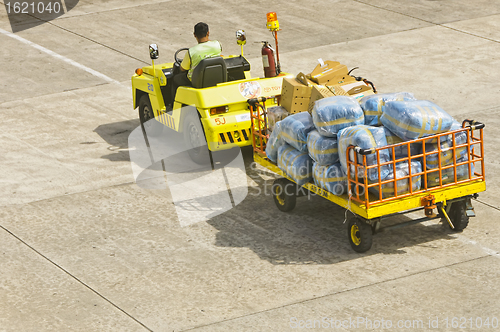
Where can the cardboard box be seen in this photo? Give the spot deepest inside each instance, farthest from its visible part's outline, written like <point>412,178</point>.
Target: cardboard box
<point>331,73</point>
<point>302,78</point>
<point>295,95</point>
<point>322,91</point>
<point>297,105</point>
<point>291,86</point>
<point>358,90</point>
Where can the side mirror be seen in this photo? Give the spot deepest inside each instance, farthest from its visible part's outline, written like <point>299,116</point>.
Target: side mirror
<point>153,51</point>
<point>241,38</point>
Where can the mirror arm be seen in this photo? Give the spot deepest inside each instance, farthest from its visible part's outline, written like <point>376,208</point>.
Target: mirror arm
<point>241,39</point>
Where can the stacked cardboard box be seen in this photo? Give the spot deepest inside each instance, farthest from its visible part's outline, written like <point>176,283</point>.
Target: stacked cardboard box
<point>357,89</point>
<point>331,73</point>
<point>329,78</point>
<point>295,95</point>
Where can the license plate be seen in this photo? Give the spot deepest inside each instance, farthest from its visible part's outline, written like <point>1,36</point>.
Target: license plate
<point>243,117</point>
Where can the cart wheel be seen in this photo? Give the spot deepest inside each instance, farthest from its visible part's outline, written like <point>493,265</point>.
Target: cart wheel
<point>360,234</point>
<point>458,216</point>
<point>284,194</point>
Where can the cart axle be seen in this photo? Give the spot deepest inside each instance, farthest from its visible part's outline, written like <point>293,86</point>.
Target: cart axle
<point>403,224</point>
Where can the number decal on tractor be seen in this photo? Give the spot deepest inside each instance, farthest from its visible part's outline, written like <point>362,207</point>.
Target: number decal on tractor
<point>220,121</point>
<point>150,87</point>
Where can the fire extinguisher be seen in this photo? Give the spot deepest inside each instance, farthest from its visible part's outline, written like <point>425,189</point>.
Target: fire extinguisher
<point>268,60</point>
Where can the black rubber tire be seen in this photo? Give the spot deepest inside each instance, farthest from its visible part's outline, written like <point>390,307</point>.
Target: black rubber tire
<point>152,127</point>
<point>284,194</point>
<point>194,139</point>
<point>458,217</point>
<point>359,233</point>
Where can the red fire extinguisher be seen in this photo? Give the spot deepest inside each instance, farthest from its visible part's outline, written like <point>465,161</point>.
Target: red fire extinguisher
<point>268,60</point>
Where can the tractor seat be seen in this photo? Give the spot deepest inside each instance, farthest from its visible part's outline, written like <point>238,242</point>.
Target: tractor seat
<point>209,72</point>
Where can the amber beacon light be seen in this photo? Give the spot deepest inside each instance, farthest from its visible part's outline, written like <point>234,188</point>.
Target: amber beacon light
<point>272,21</point>
<point>274,26</point>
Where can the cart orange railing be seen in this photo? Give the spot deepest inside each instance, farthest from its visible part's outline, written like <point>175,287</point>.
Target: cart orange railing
<point>258,119</point>
<point>472,162</point>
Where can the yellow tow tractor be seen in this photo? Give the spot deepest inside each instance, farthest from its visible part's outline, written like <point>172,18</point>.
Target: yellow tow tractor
<point>213,113</point>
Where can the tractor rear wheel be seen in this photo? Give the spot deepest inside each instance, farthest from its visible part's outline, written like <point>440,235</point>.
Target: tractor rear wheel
<point>194,139</point>
<point>152,127</point>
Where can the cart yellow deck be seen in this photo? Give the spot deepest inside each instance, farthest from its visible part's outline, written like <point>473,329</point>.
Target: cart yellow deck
<point>441,194</point>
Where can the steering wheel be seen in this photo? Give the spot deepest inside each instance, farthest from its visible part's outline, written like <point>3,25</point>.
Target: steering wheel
<point>176,58</point>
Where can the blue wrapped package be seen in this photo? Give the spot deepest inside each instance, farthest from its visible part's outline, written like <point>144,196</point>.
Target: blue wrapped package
<point>335,113</point>
<point>403,185</point>
<point>415,119</point>
<point>374,105</point>
<point>446,143</point>
<point>448,175</point>
<point>366,137</point>
<point>294,130</point>
<point>331,178</point>
<point>323,150</point>
<point>274,142</point>
<point>297,165</point>
<point>402,150</point>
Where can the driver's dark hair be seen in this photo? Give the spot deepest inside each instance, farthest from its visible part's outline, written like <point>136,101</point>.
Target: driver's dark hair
<point>200,30</point>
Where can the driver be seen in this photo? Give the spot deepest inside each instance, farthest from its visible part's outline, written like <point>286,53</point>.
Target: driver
<point>205,49</point>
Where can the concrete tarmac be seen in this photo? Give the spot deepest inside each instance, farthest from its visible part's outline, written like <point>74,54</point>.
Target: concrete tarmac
<point>83,247</point>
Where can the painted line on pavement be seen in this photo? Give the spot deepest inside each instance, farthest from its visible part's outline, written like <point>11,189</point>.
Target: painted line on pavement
<point>76,278</point>
<point>487,250</point>
<point>60,57</point>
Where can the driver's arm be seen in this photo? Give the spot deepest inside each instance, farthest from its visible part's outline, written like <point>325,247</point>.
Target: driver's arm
<point>186,62</point>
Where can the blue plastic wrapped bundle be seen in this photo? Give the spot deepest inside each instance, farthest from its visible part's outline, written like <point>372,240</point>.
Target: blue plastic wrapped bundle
<point>323,150</point>
<point>295,128</point>
<point>446,143</point>
<point>448,175</point>
<point>297,165</point>
<point>374,105</point>
<point>415,119</point>
<point>460,138</point>
<point>366,137</point>
<point>331,178</point>
<point>332,114</point>
<point>403,185</point>
<point>402,150</point>
<point>274,142</point>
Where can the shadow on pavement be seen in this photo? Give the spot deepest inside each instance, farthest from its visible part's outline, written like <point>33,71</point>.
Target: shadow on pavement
<point>313,233</point>
<point>116,135</point>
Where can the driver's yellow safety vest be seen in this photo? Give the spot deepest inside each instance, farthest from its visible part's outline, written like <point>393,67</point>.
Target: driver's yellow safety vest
<point>201,51</point>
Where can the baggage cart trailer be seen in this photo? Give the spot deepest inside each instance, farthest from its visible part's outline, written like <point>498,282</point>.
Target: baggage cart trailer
<point>451,195</point>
